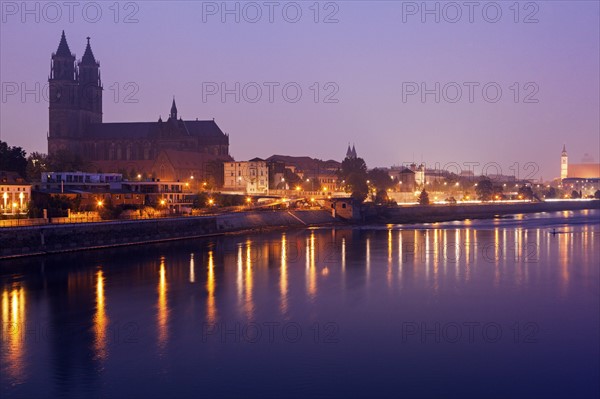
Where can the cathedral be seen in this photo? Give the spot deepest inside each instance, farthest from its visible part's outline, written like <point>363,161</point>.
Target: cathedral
<point>172,149</point>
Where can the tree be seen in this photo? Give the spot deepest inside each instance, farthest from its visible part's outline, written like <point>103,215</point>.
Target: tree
<point>12,159</point>
<point>424,198</point>
<point>354,173</point>
<point>382,197</point>
<point>37,163</point>
<point>380,179</point>
<point>597,194</point>
<point>498,192</point>
<point>66,161</point>
<point>353,165</point>
<point>575,194</point>
<point>525,192</point>
<point>484,190</point>
<point>551,193</point>
<point>359,187</point>
<point>291,178</point>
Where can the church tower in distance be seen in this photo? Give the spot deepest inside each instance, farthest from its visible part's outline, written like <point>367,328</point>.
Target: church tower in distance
<point>564,163</point>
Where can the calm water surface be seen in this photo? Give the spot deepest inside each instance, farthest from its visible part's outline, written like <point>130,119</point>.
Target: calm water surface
<point>489,308</point>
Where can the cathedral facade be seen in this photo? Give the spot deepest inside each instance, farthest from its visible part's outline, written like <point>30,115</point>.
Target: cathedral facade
<point>76,127</point>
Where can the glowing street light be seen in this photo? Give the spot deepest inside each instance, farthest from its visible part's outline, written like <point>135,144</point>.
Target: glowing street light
<point>100,203</point>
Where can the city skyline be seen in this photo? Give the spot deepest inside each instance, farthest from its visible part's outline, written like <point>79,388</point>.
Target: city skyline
<point>367,70</point>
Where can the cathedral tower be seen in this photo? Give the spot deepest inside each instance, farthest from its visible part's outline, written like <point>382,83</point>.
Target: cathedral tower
<point>64,99</point>
<point>90,89</point>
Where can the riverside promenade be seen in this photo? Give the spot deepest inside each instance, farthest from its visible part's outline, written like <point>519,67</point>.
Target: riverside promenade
<point>50,239</point>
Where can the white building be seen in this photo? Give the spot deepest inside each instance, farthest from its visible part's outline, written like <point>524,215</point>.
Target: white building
<point>564,163</point>
<point>80,180</point>
<point>251,177</point>
<point>15,194</point>
<point>419,174</point>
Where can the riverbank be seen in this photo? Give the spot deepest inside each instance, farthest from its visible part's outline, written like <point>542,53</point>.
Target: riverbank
<point>445,213</point>
<point>52,239</point>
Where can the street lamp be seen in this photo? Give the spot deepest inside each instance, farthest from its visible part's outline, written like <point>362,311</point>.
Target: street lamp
<point>100,203</point>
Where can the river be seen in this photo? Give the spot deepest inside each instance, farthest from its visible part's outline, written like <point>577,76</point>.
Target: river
<point>506,307</point>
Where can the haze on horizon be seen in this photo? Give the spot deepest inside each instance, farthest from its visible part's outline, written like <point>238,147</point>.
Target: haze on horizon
<point>356,64</point>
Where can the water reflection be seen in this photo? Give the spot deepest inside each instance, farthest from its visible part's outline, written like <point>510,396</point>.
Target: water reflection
<point>162,316</point>
<point>211,307</point>
<point>283,278</point>
<point>13,325</point>
<point>249,302</point>
<point>192,269</point>
<point>311,268</point>
<point>100,319</point>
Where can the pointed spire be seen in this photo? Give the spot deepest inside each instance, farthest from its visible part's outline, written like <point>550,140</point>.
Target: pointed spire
<point>354,152</point>
<point>349,152</point>
<point>63,47</point>
<point>88,55</point>
<point>173,110</point>
<point>564,149</point>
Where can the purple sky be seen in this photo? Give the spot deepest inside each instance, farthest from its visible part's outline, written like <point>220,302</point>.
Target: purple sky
<point>368,55</point>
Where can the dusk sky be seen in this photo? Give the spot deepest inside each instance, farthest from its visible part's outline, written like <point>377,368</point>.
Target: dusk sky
<point>367,61</point>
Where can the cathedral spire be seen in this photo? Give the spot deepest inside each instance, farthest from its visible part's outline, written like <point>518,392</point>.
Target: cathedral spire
<point>88,55</point>
<point>173,110</point>
<point>63,47</point>
<point>564,149</point>
<point>349,152</point>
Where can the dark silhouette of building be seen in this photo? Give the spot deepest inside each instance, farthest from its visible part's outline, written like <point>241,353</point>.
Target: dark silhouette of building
<point>76,127</point>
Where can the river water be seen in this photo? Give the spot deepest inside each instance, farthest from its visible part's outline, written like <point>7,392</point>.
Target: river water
<point>507,307</point>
